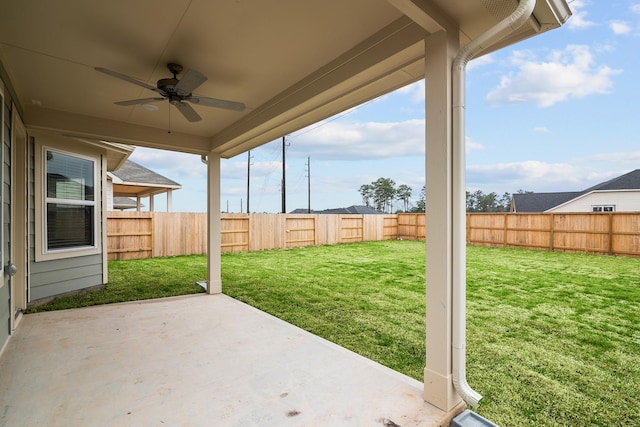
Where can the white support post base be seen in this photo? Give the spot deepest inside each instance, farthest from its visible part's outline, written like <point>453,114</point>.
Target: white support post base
<point>439,391</point>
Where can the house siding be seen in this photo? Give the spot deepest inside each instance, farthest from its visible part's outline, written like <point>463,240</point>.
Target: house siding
<point>50,278</point>
<point>623,200</point>
<point>5,294</point>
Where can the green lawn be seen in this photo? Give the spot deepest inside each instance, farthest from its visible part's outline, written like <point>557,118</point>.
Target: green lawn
<point>553,339</point>
<point>138,280</point>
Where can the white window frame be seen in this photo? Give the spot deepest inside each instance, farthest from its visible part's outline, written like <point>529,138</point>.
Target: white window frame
<point>603,208</point>
<point>42,252</point>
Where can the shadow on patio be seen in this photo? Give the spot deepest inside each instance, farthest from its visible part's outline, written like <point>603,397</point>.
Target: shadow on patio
<point>195,360</point>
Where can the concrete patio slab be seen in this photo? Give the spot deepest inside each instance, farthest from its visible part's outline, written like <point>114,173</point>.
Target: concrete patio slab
<point>200,360</point>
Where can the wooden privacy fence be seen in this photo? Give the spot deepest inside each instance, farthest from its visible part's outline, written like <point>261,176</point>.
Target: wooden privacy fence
<point>612,233</point>
<point>157,234</point>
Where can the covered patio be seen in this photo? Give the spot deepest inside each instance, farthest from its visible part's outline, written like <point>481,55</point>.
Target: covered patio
<point>195,361</point>
<point>79,75</point>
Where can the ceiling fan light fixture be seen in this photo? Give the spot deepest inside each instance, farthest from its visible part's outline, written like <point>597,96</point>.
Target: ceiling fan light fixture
<point>150,107</point>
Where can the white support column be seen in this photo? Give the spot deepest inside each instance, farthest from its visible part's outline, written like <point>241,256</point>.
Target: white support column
<point>214,279</point>
<point>438,383</point>
<point>151,204</point>
<point>169,200</point>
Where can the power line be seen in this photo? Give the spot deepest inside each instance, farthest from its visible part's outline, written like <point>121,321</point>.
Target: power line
<point>331,119</point>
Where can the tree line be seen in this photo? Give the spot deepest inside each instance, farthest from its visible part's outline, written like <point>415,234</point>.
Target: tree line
<point>384,196</point>
<point>382,193</point>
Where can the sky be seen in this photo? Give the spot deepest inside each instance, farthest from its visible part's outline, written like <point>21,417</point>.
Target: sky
<point>557,112</point>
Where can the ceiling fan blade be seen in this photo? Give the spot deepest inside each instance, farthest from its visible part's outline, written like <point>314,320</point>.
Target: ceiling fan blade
<point>127,79</point>
<point>186,110</point>
<point>139,101</point>
<point>218,103</point>
<point>191,80</point>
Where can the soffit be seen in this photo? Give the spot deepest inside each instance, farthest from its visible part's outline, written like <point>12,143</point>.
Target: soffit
<point>291,62</point>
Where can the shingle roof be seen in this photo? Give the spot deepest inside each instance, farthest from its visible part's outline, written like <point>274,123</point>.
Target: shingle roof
<point>540,202</point>
<point>355,209</point>
<point>628,181</point>
<point>131,172</point>
<point>124,203</point>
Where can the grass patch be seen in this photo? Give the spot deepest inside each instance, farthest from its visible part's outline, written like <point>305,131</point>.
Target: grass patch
<point>553,339</point>
<point>139,280</point>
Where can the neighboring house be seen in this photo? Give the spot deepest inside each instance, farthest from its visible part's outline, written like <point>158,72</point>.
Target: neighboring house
<point>134,180</point>
<point>620,194</point>
<point>355,209</point>
<point>124,203</point>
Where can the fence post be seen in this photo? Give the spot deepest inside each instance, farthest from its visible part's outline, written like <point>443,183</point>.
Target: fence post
<point>610,233</point>
<point>552,232</point>
<point>468,228</point>
<point>504,230</point>
<point>153,236</point>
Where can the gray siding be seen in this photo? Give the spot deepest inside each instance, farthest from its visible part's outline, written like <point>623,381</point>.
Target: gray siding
<point>49,278</point>
<point>5,296</point>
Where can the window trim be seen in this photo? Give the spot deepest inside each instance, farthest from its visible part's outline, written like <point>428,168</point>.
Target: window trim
<point>42,253</point>
<point>603,208</point>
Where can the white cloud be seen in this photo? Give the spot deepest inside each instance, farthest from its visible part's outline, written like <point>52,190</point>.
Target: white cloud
<point>528,175</point>
<point>568,73</point>
<point>415,91</point>
<point>238,169</point>
<point>471,145</point>
<point>541,129</point>
<point>635,8</point>
<point>619,27</point>
<point>173,165</point>
<point>479,62</point>
<point>619,157</point>
<point>579,20</point>
<point>333,140</point>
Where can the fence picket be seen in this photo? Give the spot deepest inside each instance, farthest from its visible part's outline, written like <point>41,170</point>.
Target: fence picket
<point>159,234</point>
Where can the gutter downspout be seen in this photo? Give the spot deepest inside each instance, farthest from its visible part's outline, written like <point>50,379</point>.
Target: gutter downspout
<point>496,33</point>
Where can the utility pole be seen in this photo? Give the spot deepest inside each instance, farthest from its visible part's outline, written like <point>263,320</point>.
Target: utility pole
<point>284,176</point>
<point>248,177</point>
<point>309,184</point>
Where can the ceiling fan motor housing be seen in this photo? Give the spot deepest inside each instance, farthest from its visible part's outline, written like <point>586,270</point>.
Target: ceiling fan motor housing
<point>168,85</point>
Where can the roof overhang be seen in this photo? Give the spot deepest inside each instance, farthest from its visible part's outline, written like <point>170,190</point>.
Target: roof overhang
<point>292,63</point>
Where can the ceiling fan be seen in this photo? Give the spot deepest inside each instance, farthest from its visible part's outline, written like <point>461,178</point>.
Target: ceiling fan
<point>176,91</point>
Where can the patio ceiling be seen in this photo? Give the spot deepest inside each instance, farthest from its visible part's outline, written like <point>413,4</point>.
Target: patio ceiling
<point>291,62</point>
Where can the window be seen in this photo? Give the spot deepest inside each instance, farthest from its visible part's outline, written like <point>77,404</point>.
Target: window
<point>603,208</point>
<point>70,205</point>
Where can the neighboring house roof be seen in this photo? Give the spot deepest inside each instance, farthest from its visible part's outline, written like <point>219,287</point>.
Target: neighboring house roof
<point>628,181</point>
<point>134,180</point>
<point>355,209</point>
<point>541,202</point>
<point>120,203</point>
<point>132,172</point>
